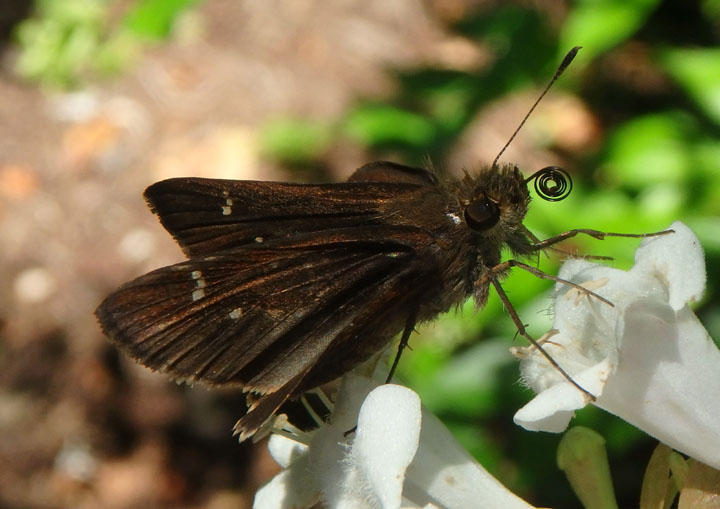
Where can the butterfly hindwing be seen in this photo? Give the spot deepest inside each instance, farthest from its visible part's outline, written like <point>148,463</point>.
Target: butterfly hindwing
<point>257,316</point>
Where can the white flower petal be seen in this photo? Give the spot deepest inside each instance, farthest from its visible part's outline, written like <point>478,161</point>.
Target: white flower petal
<point>669,380</point>
<point>293,488</point>
<point>678,259</point>
<point>444,474</point>
<point>648,358</point>
<point>552,409</point>
<point>341,486</point>
<point>401,457</point>
<point>388,433</point>
<point>284,450</point>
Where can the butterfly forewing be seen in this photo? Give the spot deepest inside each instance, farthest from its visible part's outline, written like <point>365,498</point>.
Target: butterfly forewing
<point>206,216</point>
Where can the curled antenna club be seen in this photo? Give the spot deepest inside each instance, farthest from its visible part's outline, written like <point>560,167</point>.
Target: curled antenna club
<point>552,183</point>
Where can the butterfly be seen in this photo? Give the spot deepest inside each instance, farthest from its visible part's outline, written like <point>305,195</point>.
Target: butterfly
<point>288,286</point>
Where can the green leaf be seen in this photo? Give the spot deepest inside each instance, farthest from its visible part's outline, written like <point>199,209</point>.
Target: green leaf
<point>598,25</point>
<point>698,72</point>
<point>650,149</point>
<point>294,140</point>
<point>378,124</point>
<point>154,19</point>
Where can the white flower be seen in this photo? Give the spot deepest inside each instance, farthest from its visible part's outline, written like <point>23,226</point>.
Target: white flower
<point>399,456</point>
<point>648,359</point>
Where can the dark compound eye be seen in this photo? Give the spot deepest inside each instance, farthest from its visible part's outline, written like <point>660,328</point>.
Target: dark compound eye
<point>482,214</point>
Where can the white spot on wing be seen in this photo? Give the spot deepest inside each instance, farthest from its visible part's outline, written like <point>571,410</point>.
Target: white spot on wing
<point>236,313</point>
<point>453,217</point>
<point>259,240</point>
<point>200,283</point>
<point>227,208</point>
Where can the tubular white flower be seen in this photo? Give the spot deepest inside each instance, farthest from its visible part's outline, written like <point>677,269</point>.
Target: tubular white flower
<point>400,456</point>
<point>648,359</point>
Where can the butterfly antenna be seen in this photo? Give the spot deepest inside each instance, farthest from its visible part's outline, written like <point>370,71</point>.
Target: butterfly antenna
<point>563,65</point>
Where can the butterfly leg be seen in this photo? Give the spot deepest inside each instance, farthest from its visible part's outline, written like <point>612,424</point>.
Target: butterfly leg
<point>409,327</point>
<point>523,332</point>
<point>596,234</point>
<point>502,267</point>
<point>562,252</point>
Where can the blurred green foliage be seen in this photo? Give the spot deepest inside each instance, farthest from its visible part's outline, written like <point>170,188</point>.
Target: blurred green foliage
<point>67,42</point>
<point>295,140</point>
<point>698,72</point>
<point>605,24</point>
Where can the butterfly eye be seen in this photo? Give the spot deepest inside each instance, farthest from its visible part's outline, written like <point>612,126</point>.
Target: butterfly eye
<point>482,214</point>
